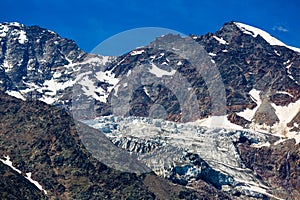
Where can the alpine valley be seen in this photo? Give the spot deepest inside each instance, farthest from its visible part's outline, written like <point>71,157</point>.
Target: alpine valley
<point>196,117</point>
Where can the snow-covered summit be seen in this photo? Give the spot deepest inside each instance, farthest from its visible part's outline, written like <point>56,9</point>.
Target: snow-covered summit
<point>251,30</point>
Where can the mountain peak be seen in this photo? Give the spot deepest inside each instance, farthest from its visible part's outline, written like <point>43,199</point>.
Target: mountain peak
<point>30,54</point>
<point>254,31</point>
<point>233,29</point>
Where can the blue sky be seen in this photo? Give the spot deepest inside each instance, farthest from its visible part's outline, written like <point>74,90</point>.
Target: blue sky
<point>91,22</point>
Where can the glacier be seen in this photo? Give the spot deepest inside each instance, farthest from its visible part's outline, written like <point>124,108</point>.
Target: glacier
<point>186,152</point>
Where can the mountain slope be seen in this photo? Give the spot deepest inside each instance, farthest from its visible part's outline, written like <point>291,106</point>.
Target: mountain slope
<point>251,67</point>
<point>255,71</point>
<point>43,140</point>
<point>45,144</point>
<point>240,82</point>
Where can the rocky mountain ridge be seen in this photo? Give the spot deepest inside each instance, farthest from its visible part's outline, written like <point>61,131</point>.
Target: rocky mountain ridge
<point>240,82</point>
<point>260,76</point>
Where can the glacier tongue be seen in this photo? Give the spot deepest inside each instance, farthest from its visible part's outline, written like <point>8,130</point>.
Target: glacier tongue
<point>186,153</point>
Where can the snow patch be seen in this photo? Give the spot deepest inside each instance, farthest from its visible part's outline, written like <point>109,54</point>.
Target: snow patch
<point>285,114</point>
<point>218,122</point>
<point>220,40</point>
<point>287,62</point>
<point>248,114</point>
<point>90,89</point>
<point>161,55</point>
<point>52,32</point>
<point>290,75</point>
<point>9,163</point>
<point>52,86</point>
<point>28,177</point>
<point>259,145</point>
<point>179,63</point>
<point>57,74</point>
<point>55,86</point>
<point>22,37</point>
<point>159,72</point>
<point>48,99</point>
<point>102,60</point>
<point>116,90</point>
<point>288,68</point>
<point>137,52</point>
<point>105,59</point>
<point>284,92</point>
<point>152,57</point>
<point>146,91</point>
<point>108,77</point>
<point>16,94</point>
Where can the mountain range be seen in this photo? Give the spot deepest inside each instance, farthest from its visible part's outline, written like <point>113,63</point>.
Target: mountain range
<point>199,117</point>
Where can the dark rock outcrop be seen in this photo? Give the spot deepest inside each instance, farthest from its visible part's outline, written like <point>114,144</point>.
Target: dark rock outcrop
<point>277,164</point>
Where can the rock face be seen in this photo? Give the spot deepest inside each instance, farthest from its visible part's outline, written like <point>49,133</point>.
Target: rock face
<point>178,79</point>
<point>31,54</point>
<point>278,165</point>
<point>43,140</point>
